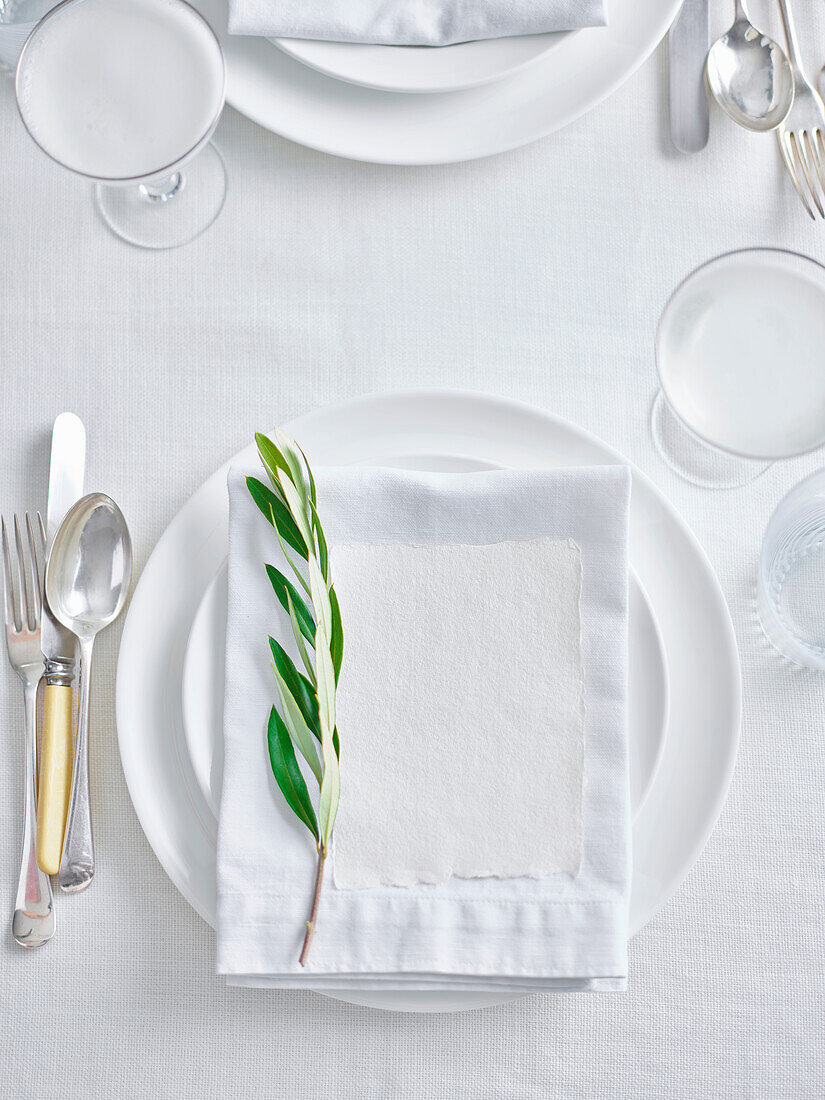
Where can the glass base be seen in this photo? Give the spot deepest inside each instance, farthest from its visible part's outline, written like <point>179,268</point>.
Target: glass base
<point>783,640</point>
<point>694,460</point>
<point>171,213</point>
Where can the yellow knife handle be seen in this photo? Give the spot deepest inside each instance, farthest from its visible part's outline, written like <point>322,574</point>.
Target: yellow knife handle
<point>55,776</point>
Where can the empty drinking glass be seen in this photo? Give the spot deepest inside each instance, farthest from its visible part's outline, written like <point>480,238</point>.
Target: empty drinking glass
<point>791,583</point>
<point>740,351</point>
<point>128,95</point>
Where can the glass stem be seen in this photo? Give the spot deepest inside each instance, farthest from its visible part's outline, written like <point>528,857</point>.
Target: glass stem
<point>162,190</point>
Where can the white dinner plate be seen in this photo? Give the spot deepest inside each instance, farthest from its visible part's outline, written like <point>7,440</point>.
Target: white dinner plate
<point>302,104</point>
<point>203,689</point>
<point>421,69</point>
<point>429,428</point>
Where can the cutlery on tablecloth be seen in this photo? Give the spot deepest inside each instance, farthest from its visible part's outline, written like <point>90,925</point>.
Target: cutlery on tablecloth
<point>33,920</point>
<point>749,76</point>
<point>801,135</point>
<point>59,649</point>
<point>87,581</point>
<point>688,46</point>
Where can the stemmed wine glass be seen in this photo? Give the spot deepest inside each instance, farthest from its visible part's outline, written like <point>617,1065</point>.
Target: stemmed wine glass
<point>128,94</point>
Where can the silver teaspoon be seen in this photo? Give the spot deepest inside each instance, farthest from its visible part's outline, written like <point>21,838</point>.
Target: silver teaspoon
<point>87,580</point>
<point>749,75</point>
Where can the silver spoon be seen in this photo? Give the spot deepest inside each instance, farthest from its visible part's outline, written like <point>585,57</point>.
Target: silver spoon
<point>87,580</point>
<point>749,75</point>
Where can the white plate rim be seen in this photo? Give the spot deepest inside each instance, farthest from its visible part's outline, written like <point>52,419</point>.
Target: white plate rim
<point>484,403</point>
<point>330,116</point>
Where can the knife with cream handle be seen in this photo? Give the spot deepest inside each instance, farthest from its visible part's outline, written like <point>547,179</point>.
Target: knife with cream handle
<point>66,473</point>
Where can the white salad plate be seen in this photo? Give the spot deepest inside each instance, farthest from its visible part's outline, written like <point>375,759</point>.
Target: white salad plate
<point>203,684</point>
<point>421,69</point>
<point>300,103</point>
<point>449,430</point>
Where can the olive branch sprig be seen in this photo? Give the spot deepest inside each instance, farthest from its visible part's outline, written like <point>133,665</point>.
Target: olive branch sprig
<point>306,718</point>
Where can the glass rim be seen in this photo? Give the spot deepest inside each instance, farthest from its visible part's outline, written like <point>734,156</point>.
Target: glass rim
<point>165,169</point>
<point>706,440</point>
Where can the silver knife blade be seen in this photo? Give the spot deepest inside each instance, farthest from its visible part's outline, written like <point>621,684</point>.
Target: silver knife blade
<point>688,42</point>
<point>66,473</point>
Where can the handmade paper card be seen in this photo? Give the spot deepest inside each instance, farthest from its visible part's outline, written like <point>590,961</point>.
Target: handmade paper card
<point>461,709</point>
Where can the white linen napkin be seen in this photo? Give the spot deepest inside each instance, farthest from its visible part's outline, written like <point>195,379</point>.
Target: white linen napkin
<point>494,642</point>
<point>411,22</point>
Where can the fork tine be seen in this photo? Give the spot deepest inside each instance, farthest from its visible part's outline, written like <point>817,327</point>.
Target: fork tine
<point>22,579</point>
<point>43,542</point>
<point>36,572</point>
<point>12,622</point>
<point>801,160</point>
<point>44,549</point>
<point>812,160</point>
<point>816,155</point>
<point>784,149</point>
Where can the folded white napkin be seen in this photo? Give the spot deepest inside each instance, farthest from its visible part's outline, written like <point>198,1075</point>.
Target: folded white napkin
<point>483,839</point>
<point>411,22</point>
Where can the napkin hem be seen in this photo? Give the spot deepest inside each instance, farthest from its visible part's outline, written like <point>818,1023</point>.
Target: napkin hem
<point>583,938</point>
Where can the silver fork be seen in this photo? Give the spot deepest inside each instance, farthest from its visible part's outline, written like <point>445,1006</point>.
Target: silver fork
<point>801,134</point>
<point>33,921</point>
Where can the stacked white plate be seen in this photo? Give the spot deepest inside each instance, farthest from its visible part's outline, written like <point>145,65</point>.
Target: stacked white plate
<point>418,105</point>
<point>421,69</point>
<point>685,702</point>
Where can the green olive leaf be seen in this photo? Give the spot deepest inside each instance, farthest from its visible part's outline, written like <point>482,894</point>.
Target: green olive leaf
<point>331,782</point>
<point>277,514</point>
<point>336,642</point>
<point>286,592</point>
<point>271,457</point>
<point>287,773</point>
<point>300,688</point>
<point>313,496</point>
<point>294,463</point>
<point>297,507</point>
<point>321,542</point>
<point>293,565</point>
<point>294,721</point>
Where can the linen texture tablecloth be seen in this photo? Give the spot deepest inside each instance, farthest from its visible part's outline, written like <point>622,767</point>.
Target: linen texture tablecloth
<point>539,274</point>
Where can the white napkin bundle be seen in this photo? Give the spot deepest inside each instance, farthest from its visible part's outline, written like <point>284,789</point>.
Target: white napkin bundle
<point>483,839</point>
<point>411,22</point>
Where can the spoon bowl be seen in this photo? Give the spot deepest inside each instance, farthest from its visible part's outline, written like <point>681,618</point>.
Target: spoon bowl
<point>750,77</point>
<point>90,566</point>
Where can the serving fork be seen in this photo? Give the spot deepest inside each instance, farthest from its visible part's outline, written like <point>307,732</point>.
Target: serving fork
<point>33,921</point>
<point>800,136</point>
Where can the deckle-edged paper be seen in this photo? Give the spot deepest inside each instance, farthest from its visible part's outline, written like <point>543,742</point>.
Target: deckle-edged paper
<point>461,708</point>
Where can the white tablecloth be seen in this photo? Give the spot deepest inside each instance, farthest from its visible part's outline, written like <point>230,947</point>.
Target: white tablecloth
<point>540,275</point>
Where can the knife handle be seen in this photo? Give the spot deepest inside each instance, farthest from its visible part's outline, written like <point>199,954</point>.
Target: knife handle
<point>55,776</point>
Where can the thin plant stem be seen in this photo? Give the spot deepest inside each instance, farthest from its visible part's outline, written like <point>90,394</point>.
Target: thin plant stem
<point>313,916</point>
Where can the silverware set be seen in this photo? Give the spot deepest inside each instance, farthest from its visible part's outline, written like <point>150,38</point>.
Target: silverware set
<point>58,593</point>
<point>800,133</point>
<point>758,85</point>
